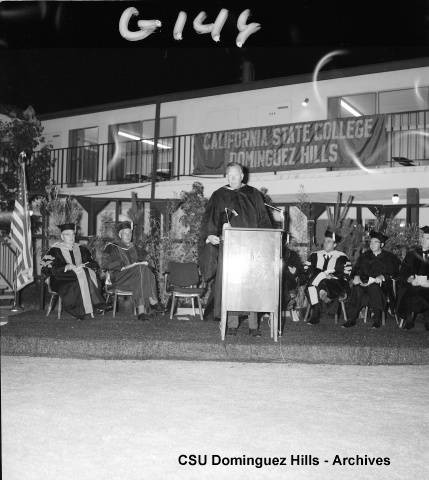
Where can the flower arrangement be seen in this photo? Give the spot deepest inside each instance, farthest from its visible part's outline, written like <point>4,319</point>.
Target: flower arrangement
<point>60,210</point>
<point>401,237</point>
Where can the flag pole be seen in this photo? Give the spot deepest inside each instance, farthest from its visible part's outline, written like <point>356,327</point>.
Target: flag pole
<point>15,308</point>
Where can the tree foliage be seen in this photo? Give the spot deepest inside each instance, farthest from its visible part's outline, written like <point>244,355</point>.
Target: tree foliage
<point>22,131</point>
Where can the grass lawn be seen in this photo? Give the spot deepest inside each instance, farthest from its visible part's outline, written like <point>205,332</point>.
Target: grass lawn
<point>126,337</point>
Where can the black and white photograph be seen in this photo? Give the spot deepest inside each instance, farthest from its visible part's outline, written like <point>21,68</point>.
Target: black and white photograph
<point>214,240</point>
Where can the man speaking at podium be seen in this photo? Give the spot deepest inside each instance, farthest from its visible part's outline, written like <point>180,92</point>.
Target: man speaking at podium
<point>237,205</point>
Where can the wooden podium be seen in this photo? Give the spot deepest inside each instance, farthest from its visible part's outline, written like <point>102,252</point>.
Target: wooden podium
<point>251,273</point>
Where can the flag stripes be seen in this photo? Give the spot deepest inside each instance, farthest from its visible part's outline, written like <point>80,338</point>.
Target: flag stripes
<point>20,233</point>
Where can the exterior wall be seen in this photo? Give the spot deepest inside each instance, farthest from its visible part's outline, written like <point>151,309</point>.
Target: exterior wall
<point>102,120</point>
<point>261,107</point>
<point>242,109</point>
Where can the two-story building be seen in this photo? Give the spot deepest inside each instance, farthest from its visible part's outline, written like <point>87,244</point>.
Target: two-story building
<point>362,131</point>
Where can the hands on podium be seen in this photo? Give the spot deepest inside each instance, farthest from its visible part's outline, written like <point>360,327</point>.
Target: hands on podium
<point>213,239</point>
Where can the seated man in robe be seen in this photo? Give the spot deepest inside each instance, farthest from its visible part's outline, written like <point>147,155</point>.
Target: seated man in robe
<point>328,274</point>
<point>129,270</point>
<point>72,274</point>
<point>413,294</point>
<point>372,281</point>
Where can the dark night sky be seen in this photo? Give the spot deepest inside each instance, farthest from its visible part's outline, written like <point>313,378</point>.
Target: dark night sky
<point>60,55</point>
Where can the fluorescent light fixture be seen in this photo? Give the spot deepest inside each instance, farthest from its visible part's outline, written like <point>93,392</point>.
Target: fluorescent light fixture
<point>305,102</point>
<point>349,108</point>
<point>160,145</point>
<point>135,137</point>
<point>395,198</point>
<point>128,135</point>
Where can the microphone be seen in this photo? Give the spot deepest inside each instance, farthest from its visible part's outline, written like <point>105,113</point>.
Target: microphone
<point>232,211</point>
<point>274,208</point>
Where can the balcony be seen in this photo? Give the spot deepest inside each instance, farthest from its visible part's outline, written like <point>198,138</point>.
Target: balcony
<point>407,136</point>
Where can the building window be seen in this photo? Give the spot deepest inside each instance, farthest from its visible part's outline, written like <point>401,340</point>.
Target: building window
<point>82,158</point>
<point>132,156</point>
<point>407,100</point>
<point>352,105</point>
<point>392,101</point>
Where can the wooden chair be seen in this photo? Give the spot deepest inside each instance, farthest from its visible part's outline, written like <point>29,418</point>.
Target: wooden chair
<point>181,281</point>
<point>54,296</point>
<point>116,292</point>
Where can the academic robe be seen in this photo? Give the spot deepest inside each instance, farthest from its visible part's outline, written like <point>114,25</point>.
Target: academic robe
<point>413,299</point>
<point>247,202</point>
<point>374,295</point>
<point>318,266</point>
<point>78,292</point>
<point>138,279</point>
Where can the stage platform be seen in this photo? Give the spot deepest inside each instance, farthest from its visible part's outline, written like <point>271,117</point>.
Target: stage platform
<point>124,337</point>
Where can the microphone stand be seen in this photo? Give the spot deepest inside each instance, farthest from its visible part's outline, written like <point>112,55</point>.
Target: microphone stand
<point>277,209</point>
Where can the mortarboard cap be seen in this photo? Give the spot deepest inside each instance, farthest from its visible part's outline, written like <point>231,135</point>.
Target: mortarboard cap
<point>425,229</point>
<point>329,234</point>
<point>379,236</point>
<point>122,225</point>
<point>67,226</point>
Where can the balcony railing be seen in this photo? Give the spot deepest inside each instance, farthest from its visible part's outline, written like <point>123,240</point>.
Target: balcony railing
<point>132,162</point>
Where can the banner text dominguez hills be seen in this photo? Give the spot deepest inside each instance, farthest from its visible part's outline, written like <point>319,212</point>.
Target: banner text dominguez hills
<point>318,144</point>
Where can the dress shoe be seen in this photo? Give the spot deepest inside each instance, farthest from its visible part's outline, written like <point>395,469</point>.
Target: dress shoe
<point>323,294</point>
<point>349,323</point>
<point>102,307</point>
<point>314,321</point>
<point>255,332</point>
<point>409,321</point>
<point>231,331</point>
<point>158,308</point>
<point>315,315</point>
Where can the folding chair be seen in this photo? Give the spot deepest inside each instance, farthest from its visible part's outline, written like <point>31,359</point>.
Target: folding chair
<point>116,292</point>
<point>181,281</point>
<point>390,305</point>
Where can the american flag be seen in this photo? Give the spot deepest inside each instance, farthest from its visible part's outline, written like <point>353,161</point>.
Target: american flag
<point>20,232</point>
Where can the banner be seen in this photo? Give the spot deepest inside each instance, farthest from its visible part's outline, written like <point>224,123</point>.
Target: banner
<point>340,142</point>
